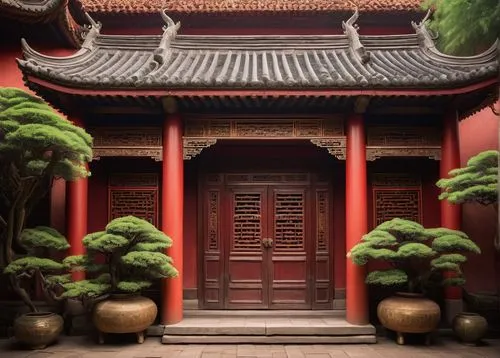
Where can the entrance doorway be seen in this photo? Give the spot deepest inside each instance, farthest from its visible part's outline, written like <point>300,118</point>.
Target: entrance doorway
<point>267,241</point>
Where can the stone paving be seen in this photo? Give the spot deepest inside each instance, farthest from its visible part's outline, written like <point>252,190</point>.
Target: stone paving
<point>82,347</point>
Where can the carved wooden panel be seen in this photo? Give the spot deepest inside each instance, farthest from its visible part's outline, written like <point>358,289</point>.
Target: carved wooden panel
<point>213,220</point>
<point>264,127</point>
<point>403,136</point>
<point>141,203</point>
<point>127,141</point>
<point>289,221</point>
<point>397,203</point>
<point>241,178</point>
<point>322,220</point>
<point>133,194</point>
<point>247,216</point>
<point>404,180</point>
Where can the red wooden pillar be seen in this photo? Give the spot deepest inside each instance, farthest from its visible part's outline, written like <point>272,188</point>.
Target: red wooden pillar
<point>76,208</point>
<point>356,218</point>
<point>172,203</point>
<point>450,159</point>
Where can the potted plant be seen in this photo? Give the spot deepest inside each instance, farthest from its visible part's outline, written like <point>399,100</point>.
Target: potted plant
<point>417,256</point>
<point>37,145</point>
<point>124,258</point>
<point>477,182</point>
<point>39,329</point>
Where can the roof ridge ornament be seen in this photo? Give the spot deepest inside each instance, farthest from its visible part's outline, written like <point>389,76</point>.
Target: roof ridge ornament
<point>351,30</point>
<point>169,34</point>
<point>425,38</point>
<point>92,31</point>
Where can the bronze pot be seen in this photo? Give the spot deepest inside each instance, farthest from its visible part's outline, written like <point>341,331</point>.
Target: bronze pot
<point>469,327</point>
<point>124,313</point>
<point>38,329</point>
<point>409,313</point>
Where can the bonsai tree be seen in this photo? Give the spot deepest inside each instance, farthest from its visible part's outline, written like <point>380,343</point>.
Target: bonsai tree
<point>36,146</point>
<point>417,255</point>
<point>40,242</point>
<point>125,258</point>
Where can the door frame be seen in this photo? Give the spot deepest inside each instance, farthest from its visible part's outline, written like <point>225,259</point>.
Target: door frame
<point>318,181</point>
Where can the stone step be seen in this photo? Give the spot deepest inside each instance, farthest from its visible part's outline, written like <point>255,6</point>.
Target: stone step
<point>264,313</point>
<point>194,339</point>
<point>317,328</point>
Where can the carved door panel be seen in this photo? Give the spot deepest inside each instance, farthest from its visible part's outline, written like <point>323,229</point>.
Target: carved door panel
<point>288,262</point>
<point>246,274</point>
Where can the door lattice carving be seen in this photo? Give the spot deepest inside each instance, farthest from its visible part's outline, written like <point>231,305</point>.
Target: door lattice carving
<point>247,228</point>
<point>322,221</point>
<point>397,203</point>
<point>137,202</point>
<point>134,194</point>
<point>213,220</point>
<point>289,221</point>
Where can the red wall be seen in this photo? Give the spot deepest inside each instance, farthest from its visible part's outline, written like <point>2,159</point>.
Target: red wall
<point>479,133</point>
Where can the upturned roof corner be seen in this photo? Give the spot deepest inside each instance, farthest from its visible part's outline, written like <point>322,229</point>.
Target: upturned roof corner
<point>169,34</point>
<point>91,32</point>
<point>425,39</point>
<point>351,31</point>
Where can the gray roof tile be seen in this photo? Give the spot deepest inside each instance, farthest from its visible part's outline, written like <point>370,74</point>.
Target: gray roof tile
<point>275,62</point>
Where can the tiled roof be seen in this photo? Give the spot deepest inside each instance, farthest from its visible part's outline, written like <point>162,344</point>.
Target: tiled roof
<point>204,6</point>
<point>346,61</point>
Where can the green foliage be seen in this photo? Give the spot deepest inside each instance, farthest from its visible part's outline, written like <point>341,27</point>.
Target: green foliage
<point>414,252</point>
<point>43,237</point>
<point>131,248</point>
<point>477,182</point>
<point>387,277</point>
<point>465,27</point>
<point>37,139</point>
<point>27,264</point>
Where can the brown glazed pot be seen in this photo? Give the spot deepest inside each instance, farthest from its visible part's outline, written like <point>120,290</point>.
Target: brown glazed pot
<point>124,313</point>
<point>409,313</point>
<point>469,327</point>
<point>38,329</point>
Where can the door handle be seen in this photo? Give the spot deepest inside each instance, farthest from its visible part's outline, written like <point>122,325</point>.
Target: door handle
<point>267,242</point>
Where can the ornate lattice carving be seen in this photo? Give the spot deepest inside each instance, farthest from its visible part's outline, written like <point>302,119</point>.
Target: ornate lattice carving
<point>373,153</point>
<point>138,202</point>
<point>213,220</point>
<point>247,230</point>
<point>194,146</point>
<point>127,141</point>
<point>267,178</point>
<point>405,180</point>
<point>289,222</point>
<point>133,180</point>
<point>397,203</point>
<point>335,146</point>
<point>403,136</point>
<point>262,128</point>
<point>322,217</point>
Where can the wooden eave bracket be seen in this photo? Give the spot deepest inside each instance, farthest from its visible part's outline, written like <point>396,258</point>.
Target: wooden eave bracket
<point>377,152</point>
<point>336,146</point>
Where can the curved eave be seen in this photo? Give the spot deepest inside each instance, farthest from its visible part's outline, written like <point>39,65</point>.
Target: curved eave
<point>179,92</point>
<point>32,12</point>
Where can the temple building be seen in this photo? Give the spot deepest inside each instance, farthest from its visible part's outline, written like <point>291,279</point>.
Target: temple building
<point>265,141</point>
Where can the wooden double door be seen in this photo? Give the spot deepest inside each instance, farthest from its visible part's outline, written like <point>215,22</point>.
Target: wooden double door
<point>272,240</point>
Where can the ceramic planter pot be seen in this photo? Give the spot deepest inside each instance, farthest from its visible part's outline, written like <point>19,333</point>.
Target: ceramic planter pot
<point>469,327</point>
<point>124,313</point>
<point>409,313</point>
<point>37,330</point>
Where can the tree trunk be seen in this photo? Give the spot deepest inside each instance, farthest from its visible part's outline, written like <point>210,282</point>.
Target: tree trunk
<point>21,292</point>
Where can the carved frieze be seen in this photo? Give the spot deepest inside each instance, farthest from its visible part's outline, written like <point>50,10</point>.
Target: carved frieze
<point>127,142</point>
<point>264,128</point>
<point>373,153</point>
<point>403,136</point>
